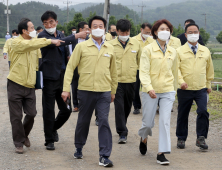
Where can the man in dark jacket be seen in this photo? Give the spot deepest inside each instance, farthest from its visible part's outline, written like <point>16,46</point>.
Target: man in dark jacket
<point>54,60</point>
<point>82,26</point>
<point>183,38</point>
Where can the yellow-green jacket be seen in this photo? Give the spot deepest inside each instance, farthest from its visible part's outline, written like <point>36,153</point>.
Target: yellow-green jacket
<point>97,69</point>
<point>196,70</point>
<point>142,43</point>
<point>24,60</point>
<point>158,72</point>
<point>7,47</point>
<point>174,42</point>
<point>108,37</point>
<point>127,60</point>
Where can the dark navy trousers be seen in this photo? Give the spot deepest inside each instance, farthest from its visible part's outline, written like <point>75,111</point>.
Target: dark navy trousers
<point>185,100</point>
<point>74,92</point>
<point>88,102</point>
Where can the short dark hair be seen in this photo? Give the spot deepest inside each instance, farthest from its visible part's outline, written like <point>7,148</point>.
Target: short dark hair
<point>146,24</point>
<point>39,28</point>
<point>191,24</point>
<point>23,24</point>
<point>73,28</point>
<point>157,25</point>
<point>49,14</point>
<point>190,21</point>
<point>111,26</point>
<point>81,25</point>
<point>97,17</point>
<point>123,25</point>
<point>15,30</point>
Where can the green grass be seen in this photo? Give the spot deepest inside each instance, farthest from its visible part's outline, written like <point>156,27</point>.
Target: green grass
<point>216,47</point>
<point>214,106</point>
<point>217,68</point>
<point>2,42</point>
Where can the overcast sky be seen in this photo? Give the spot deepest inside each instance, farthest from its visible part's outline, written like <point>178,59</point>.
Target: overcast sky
<point>56,2</point>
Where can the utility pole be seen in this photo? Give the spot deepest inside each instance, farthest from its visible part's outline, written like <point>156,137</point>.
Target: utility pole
<point>106,12</point>
<point>142,11</point>
<point>7,12</point>
<point>67,2</point>
<point>205,21</point>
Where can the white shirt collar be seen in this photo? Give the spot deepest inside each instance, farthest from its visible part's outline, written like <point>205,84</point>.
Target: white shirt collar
<point>190,45</point>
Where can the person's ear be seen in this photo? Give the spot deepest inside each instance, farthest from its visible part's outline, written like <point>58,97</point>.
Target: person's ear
<point>156,33</point>
<point>57,22</point>
<point>141,29</point>
<point>24,31</point>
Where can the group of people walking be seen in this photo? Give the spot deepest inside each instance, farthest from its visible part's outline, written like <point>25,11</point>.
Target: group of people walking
<point>108,67</point>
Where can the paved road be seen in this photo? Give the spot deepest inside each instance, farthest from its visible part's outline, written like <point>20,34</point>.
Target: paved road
<point>125,157</point>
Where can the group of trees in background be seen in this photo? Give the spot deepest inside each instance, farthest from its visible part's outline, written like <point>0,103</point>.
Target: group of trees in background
<point>175,13</point>
<point>135,29</point>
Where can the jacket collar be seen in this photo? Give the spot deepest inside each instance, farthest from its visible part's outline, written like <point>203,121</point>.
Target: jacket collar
<point>187,48</point>
<point>157,48</point>
<point>91,43</point>
<point>116,41</point>
<point>52,35</point>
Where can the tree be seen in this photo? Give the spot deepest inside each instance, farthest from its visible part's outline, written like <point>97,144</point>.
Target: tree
<point>178,31</point>
<point>90,16</point>
<point>219,37</point>
<point>133,30</point>
<point>112,20</point>
<point>74,23</point>
<point>205,36</point>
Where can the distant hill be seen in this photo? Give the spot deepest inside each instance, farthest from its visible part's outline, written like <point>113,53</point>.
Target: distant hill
<point>117,10</point>
<point>32,10</point>
<point>80,7</point>
<point>178,13</point>
<point>149,4</point>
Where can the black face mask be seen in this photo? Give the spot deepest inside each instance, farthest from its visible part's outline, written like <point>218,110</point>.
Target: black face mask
<point>113,33</point>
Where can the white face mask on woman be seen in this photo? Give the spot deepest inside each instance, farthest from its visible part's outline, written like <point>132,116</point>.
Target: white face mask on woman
<point>98,32</point>
<point>193,37</point>
<point>164,35</point>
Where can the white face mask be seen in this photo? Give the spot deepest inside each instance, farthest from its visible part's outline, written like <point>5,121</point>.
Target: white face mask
<point>124,38</point>
<point>74,32</point>
<point>33,34</point>
<point>51,30</point>
<point>7,33</point>
<point>145,36</point>
<point>14,36</point>
<point>164,35</point>
<point>104,37</point>
<point>98,32</point>
<point>193,37</point>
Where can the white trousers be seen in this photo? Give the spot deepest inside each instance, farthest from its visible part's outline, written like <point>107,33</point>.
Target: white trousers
<point>149,111</point>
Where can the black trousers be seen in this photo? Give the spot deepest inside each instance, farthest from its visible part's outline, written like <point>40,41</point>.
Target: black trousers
<point>123,103</point>
<point>51,92</point>
<point>185,100</point>
<point>136,101</point>
<point>74,92</point>
<point>88,102</point>
<point>21,99</point>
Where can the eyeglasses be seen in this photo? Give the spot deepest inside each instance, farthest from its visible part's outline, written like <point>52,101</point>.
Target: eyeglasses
<point>195,32</point>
